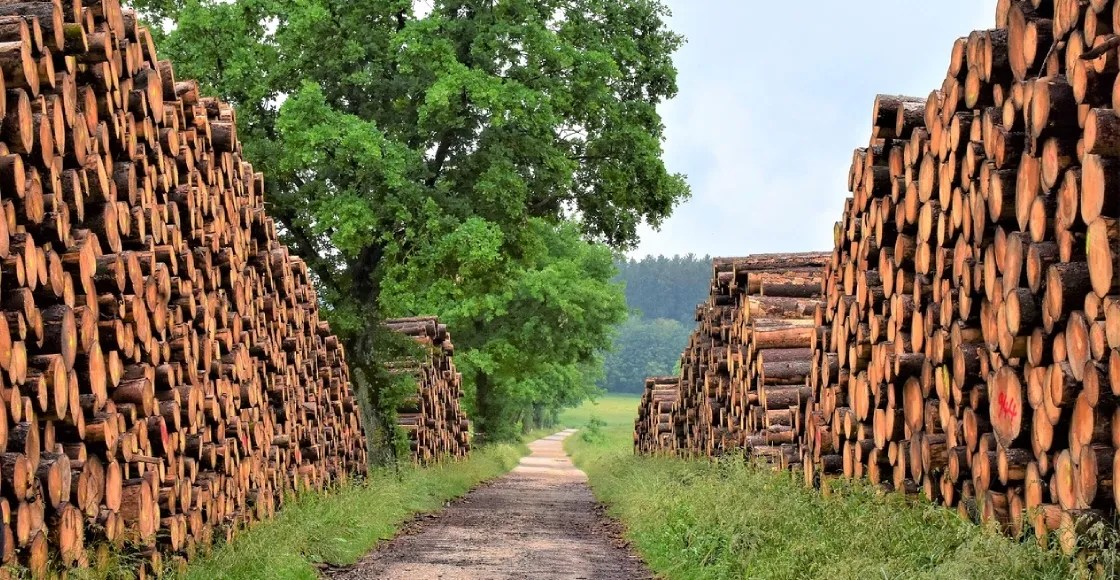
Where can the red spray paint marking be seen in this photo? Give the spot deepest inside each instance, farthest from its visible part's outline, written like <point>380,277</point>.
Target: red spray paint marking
<point>1007,406</point>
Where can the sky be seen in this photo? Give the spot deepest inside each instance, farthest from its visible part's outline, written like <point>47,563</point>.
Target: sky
<point>771,106</point>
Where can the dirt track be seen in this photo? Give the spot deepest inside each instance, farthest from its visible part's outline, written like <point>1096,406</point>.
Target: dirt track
<point>540,521</point>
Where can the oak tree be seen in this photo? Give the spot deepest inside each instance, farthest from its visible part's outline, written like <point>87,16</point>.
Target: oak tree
<point>389,128</point>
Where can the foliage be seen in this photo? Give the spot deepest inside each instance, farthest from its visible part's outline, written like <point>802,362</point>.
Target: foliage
<point>661,287</point>
<point>643,348</point>
<point>386,134</point>
<point>699,519</point>
<point>389,444</point>
<point>592,430</point>
<point>662,294</point>
<point>340,527</point>
<point>533,324</point>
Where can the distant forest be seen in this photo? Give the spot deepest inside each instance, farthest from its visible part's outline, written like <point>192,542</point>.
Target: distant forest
<point>660,287</point>
<point>662,294</point>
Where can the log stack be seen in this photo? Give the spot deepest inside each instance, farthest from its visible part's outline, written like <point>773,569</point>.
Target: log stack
<point>655,430</point>
<point>744,374</point>
<point>702,422</point>
<point>969,351</point>
<point>165,374</point>
<point>777,296</point>
<point>432,416</point>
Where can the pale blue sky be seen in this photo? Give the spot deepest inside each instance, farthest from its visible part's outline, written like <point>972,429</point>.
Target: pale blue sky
<point>771,105</point>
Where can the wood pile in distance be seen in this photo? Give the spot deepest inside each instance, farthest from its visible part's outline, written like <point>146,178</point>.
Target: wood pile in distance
<point>655,430</point>
<point>744,373</point>
<point>432,417</point>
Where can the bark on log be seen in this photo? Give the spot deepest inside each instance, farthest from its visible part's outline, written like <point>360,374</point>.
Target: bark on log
<point>164,366</point>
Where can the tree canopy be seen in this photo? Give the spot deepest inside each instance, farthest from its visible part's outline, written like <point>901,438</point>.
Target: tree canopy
<point>537,323</point>
<point>461,162</point>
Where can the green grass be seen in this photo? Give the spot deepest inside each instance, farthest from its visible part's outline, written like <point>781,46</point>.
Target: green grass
<point>612,408</point>
<point>695,519</point>
<point>342,526</point>
<point>616,410</point>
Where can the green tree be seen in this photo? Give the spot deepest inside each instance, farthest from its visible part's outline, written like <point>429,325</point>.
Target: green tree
<point>536,321</point>
<point>644,348</point>
<point>384,133</point>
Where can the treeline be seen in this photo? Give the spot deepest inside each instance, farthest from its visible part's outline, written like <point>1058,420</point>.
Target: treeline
<point>662,294</point>
<point>480,162</point>
<point>661,287</point>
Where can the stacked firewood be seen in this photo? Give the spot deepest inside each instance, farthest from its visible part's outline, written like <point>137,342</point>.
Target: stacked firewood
<point>701,420</point>
<point>432,417</point>
<point>655,429</point>
<point>744,375</point>
<point>777,296</point>
<point>968,347</point>
<point>969,351</point>
<point>165,374</point>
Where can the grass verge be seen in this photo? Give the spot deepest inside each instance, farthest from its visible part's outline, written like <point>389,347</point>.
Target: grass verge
<point>701,519</point>
<point>340,527</point>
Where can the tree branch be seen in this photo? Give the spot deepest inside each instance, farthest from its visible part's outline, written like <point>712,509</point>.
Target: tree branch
<point>365,286</point>
<point>436,165</point>
<point>310,252</point>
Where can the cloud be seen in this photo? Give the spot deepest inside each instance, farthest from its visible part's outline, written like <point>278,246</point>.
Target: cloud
<point>772,103</point>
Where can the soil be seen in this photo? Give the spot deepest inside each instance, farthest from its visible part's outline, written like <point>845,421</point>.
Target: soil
<point>540,521</point>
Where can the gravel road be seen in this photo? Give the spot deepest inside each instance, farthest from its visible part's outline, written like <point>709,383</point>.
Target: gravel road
<point>539,521</point>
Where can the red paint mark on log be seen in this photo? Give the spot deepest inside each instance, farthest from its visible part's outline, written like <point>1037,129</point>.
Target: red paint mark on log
<point>1007,406</point>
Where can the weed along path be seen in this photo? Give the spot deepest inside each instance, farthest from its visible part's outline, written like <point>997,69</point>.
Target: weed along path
<point>539,521</point>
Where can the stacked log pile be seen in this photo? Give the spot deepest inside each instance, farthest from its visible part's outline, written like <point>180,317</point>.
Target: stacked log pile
<point>744,375</point>
<point>655,430</point>
<point>777,296</point>
<point>164,372</point>
<point>432,417</point>
<point>970,343</point>
<point>701,422</point>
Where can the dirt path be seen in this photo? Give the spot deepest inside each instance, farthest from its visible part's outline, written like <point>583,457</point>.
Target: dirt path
<point>540,521</point>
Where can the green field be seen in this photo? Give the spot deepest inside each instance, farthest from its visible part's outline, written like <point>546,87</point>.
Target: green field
<point>617,411</point>
<point>701,519</point>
